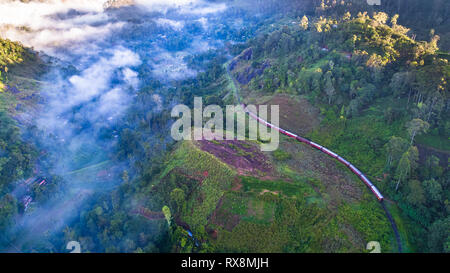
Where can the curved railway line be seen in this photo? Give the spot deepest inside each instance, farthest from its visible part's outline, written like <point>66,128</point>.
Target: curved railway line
<point>330,153</point>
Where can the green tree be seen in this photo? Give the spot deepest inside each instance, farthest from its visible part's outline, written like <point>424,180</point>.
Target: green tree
<point>395,147</point>
<point>407,165</point>
<point>304,23</point>
<point>347,16</point>
<point>380,17</point>
<point>394,20</point>
<point>167,214</point>
<point>416,127</point>
<point>432,168</point>
<point>439,235</point>
<point>8,208</point>
<point>178,196</point>
<point>403,169</point>
<point>433,190</point>
<point>416,195</point>
<point>413,155</point>
<point>401,83</point>
<point>329,87</point>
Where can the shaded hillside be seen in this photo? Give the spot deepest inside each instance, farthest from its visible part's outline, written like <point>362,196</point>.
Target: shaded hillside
<point>16,155</point>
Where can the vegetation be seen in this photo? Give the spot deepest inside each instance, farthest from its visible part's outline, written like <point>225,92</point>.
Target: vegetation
<point>342,66</point>
<point>16,155</point>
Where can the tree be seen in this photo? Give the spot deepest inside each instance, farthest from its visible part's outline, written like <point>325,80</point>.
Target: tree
<point>395,147</point>
<point>401,83</point>
<point>400,29</point>
<point>413,156</point>
<point>353,107</point>
<point>8,209</point>
<point>167,214</point>
<point>403,169</point>
<point>380,17</point>
<point>375,62</point>
<point>321,25</point>
<point>417,127</point>
<point>438,235</point>
<point>10,53</point>
<point>432,168</point>
<point>407,165</point>
<point>435,103</point>
<point>329,87</point>
<point>394,20</point>
<point>433,190</point>
<point>347,16</point>
<point>304,23</point>
<point>178,196</point>
<point>416,195</point>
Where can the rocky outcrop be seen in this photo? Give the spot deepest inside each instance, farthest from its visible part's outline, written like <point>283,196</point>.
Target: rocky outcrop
<point>246,55</point>
<point>245,76</point>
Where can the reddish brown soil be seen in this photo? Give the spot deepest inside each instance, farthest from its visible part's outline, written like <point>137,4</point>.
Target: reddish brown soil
<point>244,156</point>
<point>237,185</point>
<point>296,115</point>
<point>199,176</point>
<point>150,215</point>
<point>212,232</point>
<point>339,184</point>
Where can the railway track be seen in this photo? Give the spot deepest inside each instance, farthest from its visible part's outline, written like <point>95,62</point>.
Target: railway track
<point>330,153</point>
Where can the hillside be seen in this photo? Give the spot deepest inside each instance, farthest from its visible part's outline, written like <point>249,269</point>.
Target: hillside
<point>19,67</point>
<point>352,84</point>
<point>235,198</point>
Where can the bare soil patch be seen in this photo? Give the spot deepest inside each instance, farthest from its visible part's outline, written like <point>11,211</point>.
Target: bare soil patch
<point>425,152</point>
<point>296,114</point>
<point>338,183</point>
<point>245,157</point>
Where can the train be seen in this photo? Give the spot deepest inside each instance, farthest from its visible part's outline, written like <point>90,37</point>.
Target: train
<point>352,168</point>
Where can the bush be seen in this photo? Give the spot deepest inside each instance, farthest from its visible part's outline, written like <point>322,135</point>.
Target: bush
<point>281,155</point>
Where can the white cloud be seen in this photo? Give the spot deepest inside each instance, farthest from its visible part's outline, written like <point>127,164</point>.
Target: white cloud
<point>130,77</point>
<point>194,7</point>
<point>93,82</point>
<point>176,25</point>
<point>35,24</point>
<point>171,66</point>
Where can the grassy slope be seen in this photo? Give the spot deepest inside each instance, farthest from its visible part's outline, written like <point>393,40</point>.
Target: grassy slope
<point>192,160</point>
<point>292,213</point>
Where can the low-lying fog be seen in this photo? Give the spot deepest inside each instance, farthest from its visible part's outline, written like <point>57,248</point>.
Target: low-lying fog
<point>104,49</point>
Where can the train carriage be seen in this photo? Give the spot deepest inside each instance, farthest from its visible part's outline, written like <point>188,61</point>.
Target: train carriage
<point>325,150</point>
<point>315,145</point>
